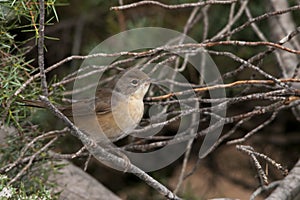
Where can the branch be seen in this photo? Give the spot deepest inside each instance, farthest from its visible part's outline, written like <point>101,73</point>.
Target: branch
<point>289,187</point>
<point>219,86</point>
<point>104,156</point>
<point>256,19</point>
<point>178,6</point>
<point>41,38</point>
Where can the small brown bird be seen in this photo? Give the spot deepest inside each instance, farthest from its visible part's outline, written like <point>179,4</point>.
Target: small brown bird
<point>114,112</point>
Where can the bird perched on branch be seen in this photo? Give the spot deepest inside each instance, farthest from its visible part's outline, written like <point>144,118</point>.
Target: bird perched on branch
<point>114,111</point>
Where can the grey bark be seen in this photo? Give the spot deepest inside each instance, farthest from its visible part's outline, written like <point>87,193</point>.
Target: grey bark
<point>289,187</point>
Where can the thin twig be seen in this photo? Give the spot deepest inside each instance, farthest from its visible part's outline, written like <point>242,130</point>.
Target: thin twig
<point>183,5</point>
<point>41,37</point>
<point>104,156</point>
<point>220,86</point>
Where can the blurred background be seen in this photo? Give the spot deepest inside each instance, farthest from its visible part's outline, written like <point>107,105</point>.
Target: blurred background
<point>226,172</point>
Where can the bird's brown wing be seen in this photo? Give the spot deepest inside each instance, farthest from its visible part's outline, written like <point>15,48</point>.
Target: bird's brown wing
<point>100,104</point>
<point>103,100</point>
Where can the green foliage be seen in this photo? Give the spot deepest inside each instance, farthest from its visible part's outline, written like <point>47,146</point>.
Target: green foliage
<point>33,183</point>
<point>17,17</point>
<point>8,192</point>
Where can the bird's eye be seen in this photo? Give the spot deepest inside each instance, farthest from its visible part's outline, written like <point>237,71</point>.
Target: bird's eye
<point>134,82</point>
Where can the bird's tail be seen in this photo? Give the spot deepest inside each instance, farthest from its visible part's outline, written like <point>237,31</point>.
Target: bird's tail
<point>33,103</point>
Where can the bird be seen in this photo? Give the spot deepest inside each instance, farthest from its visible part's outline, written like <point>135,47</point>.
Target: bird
<point>114,112</point>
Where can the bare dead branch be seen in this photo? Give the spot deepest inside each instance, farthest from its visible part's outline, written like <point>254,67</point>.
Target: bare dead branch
<point>178,6</point>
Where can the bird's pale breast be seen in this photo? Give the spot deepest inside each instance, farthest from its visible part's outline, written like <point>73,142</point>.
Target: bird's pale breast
<point>124,117</point>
